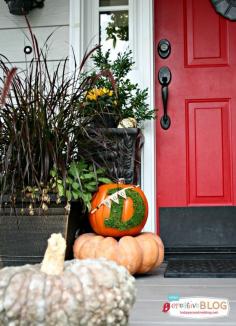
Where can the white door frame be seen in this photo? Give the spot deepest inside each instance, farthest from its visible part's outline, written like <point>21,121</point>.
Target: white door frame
<point>84,23</point>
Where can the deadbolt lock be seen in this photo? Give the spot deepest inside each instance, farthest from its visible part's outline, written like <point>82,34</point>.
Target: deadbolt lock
<point>164,48</point>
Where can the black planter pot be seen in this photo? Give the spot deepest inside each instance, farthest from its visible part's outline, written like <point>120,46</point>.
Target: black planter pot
<point>118,150</point>
<point>24,237</point>
<point>22,7</point>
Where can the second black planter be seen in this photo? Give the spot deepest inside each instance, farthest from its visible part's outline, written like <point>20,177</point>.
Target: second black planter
<point>118,150</point>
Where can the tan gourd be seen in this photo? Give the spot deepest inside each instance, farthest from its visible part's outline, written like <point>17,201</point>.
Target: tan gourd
<point>76,292</point>
<point>138,254</point>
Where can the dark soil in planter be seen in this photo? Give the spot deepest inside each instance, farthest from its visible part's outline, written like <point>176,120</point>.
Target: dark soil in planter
<point>105,120</point>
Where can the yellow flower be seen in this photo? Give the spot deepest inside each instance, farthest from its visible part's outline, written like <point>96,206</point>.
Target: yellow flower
<point>94,93</point>
<point>105,91</point>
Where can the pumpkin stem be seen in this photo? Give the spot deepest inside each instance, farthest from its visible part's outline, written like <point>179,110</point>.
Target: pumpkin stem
<point>54,257</point>
<point>121,181</point>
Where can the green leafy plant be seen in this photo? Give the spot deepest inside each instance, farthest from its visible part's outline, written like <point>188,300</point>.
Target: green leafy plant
<point>81,182</point>
<point>127,99</point>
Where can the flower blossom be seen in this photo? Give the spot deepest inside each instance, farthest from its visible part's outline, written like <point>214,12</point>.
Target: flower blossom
<point>94,93</point>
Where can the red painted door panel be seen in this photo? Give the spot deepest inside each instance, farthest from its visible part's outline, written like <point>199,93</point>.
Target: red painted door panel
<point>196,156</point>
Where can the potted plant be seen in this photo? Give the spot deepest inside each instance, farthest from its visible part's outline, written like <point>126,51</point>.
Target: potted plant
<point>45,181</point>
<point>22,7</point>
<point>119,107</point>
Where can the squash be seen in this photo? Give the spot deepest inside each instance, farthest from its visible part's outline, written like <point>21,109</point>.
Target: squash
<point>139,254</point>
<point>118,210</point>
<point>87,292</point>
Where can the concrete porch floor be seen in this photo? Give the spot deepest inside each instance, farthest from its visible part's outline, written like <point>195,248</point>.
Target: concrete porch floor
<point>153,290</point>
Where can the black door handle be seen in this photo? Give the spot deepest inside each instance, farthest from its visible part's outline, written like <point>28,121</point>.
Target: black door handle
<point>164,77</point>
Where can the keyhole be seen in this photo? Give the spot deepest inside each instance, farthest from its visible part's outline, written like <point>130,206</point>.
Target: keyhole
<point>164,80</point>
<point>164,47</point>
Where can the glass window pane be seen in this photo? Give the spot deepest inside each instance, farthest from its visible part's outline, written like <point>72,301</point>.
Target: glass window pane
<point>105,3</point>
<point>114,31</point>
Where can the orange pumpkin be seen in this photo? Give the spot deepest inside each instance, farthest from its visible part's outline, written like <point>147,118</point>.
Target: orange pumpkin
<point>138,254</point>
<point>127,216</point>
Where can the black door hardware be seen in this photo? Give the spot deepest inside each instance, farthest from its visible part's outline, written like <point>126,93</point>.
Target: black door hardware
<point>164,77</point>
<point>164,48</point>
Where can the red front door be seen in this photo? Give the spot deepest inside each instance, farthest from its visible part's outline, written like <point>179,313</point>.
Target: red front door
<point>196,155</point>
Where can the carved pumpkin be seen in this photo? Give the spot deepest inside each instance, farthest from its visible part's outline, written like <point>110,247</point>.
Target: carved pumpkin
<point>138,254</point>
<point>124,214</point>
<point>88,292</point>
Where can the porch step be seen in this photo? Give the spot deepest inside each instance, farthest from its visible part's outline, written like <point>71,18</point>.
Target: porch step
<point>186,268</point>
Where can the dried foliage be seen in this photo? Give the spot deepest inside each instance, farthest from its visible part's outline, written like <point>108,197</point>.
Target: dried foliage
<point>41,124</point>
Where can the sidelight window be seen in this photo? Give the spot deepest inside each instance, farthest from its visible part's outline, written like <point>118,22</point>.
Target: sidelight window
<point>114,25</point>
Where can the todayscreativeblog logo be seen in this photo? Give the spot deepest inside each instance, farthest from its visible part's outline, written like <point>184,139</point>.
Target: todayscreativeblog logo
<point>196,307</point>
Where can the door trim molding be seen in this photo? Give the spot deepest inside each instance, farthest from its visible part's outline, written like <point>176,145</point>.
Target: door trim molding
<point>149,151</point>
